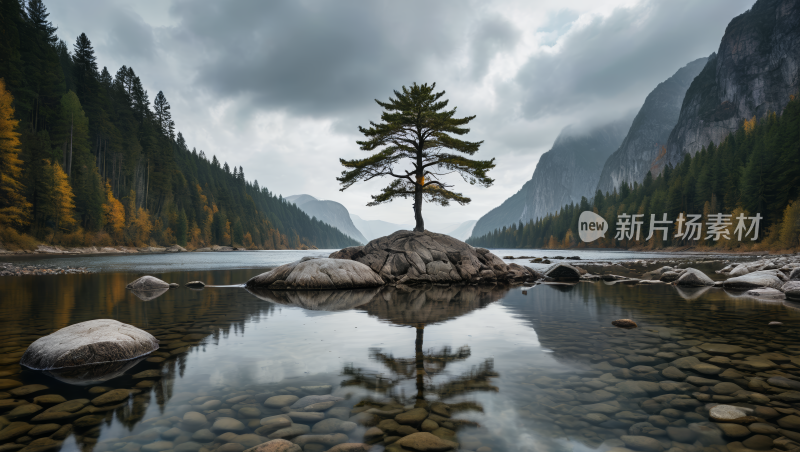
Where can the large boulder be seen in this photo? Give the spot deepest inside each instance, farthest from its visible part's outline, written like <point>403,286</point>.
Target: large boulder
<point>563,272</point>
<point>317,274</point>
<point>795,274</point>
<point>695,278</point>
<point>146,283</point>
<point>408,257</point>
<point>762,278</point>
<point>91,342</point>
<point>792,290</point>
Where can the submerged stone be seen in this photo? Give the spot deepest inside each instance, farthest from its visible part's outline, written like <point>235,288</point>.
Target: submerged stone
<point>624,323</point>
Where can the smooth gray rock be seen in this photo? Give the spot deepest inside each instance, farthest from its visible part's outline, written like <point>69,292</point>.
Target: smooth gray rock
<point>656,274</point>
<point>792,289</point>
<point>318,273</point>
<point>724,413</point>
<point>694,278</point>
<point>276,445</point>
<point>795,274</point>
<point>740,270</point>
<point>763,278</point>
<point>315,403</point>
<point>146,283</point>
<point>563,272</point>
<point>90,342</point>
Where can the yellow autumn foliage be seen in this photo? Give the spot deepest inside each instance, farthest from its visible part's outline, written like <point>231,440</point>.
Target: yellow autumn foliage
<point>61,199</point>
<point>14,208</point>
<point>749,125</point>
<point>114,212</point>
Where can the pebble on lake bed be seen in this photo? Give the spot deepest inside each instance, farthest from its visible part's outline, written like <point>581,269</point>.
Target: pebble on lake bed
<point>624,323</point>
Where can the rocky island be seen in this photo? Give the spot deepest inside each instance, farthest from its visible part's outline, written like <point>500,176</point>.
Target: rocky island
<point>402,258</point>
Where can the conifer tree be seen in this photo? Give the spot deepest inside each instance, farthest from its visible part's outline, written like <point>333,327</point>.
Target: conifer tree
<point>417,130</point>
<point>14,208</point>
<point>85,72</point>
<point>163,115</point>
<point>181,229</point>
<point>37,14</point>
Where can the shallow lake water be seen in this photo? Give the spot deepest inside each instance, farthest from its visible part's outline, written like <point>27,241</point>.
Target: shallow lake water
<point>495,368</point>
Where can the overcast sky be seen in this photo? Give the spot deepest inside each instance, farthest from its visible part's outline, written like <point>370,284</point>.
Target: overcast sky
<point>280,87</point>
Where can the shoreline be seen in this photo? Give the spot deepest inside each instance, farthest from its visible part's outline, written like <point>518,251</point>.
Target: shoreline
<point>53,251</point>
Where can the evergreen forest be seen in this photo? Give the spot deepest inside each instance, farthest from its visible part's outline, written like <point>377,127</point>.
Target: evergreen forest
<point>753,171</point>
<point>88,159</point>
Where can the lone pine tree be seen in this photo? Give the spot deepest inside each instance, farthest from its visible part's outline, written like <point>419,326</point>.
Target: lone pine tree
<point>416,129</point>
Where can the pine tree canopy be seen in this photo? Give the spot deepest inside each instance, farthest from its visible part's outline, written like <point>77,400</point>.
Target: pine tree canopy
<point>414,143</point>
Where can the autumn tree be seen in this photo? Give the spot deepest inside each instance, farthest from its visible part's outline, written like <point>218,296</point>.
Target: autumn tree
<point>114,213</point>
<point>416,131</point>
<point>59,200</point>
<point>14,208</point>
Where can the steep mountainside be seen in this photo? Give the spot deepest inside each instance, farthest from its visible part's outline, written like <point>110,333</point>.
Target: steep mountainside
<point>755,71</point>
<point>329,212</point>
<point>650,130</point>
<point>564,174</point>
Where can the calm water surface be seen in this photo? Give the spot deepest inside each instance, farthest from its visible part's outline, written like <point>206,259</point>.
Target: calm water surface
<point>536,368</point>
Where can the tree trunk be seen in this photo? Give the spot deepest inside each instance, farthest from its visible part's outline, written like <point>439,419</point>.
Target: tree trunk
<point>420,227</point>
<point>69,164</point>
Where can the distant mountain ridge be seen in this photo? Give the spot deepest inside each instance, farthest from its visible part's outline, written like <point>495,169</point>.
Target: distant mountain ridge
<point>754,72</point>
<point>372,229</point>
<point>330,212</point>
<point>650,130</point>
<point>568,171</point>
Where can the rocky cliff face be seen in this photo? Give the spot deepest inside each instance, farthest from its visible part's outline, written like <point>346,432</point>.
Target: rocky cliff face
<point>754,72</point>
<point>564,174</point>
<point>330,212</point>
<point>650,130</point>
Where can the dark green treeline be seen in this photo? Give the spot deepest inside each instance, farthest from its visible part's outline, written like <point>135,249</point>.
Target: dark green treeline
<point>114,144</point>
<point>754,170</point>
